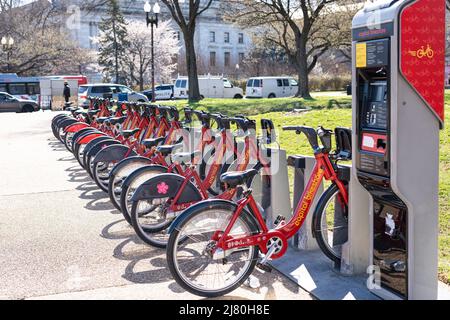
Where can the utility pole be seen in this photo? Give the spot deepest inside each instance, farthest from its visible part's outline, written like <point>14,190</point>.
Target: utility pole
<point>116,53</point>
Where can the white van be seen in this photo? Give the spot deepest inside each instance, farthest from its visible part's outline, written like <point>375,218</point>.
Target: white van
<point>271,87</point>
<point>210,87</point>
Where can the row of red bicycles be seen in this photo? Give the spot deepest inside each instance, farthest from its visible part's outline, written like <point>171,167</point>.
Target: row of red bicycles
<point>184,182</point>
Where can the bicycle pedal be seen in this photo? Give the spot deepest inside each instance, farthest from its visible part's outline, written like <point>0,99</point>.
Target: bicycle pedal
<point>264,267</point>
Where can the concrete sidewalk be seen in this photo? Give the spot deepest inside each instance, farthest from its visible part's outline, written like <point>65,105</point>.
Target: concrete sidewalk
<point>60,238</point>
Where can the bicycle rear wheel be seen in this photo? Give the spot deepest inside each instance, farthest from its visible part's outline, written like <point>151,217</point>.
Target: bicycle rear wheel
<point>195,263</point>
<point>330,223</point>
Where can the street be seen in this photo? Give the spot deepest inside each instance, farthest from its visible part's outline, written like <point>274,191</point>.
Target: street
<point>61,238</point>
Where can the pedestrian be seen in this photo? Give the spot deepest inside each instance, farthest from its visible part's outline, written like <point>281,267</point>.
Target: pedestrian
<point>66,92</point>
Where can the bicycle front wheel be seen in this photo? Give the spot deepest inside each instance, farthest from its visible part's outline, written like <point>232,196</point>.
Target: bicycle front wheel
<point>194,261</point>
<point>330,223</point>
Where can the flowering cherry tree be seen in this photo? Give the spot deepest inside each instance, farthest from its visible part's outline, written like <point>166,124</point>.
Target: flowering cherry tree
<point>138,53</point>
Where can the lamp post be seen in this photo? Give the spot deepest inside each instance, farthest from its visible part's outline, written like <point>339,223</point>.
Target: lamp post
<point>152,19</point>
<point>7,45</point>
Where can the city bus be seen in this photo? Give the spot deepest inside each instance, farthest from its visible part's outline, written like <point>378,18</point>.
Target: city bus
<point>21,87</point>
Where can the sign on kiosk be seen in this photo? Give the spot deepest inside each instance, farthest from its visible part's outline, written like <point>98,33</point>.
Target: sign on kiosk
<point>398,110</point>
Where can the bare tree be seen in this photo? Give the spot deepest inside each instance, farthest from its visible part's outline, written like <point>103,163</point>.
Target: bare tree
<point>298,26</point>
<point>40,44</point>
<point>187,26</point>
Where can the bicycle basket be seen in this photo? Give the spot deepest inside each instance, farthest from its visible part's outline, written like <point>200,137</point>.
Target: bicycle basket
<point>343,143</point>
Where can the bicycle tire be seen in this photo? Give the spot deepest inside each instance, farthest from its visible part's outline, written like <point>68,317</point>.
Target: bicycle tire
<point>77,147</point>
<point>126,166</point>
<point>90,145</point>
<point>95,171</point>
<point>194,211</point>
<point>145,235</point>
<point>317,220</point>
<point>128,182</point>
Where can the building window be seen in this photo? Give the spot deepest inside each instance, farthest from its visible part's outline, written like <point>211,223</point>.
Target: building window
<point>212,36</point>
<point>240,38</point>
<point>227,59</point>
<point>226,37</point>
<point>212,59</point>
<point>241,57</point>
<point>178,35</point>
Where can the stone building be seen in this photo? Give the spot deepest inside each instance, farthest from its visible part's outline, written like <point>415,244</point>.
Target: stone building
<point>220,46</point>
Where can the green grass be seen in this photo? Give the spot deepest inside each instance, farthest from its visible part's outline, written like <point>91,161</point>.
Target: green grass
<point>253,107</point>
<point>330,114</point>
<point>295,144</point>
<point>444,199</point>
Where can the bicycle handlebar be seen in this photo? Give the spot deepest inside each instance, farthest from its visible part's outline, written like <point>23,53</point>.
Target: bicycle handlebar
<point>310,133</point>
<point>244,123</point>
<point>223,122</point>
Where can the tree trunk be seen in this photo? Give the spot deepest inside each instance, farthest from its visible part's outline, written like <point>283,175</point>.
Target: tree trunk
<point>301,62</point>
<point>191,63</point>
<point>141,80</point>
<point>141,71</point>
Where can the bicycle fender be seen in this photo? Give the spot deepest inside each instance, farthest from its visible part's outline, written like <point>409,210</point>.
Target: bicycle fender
<point>113,153</point>
<point>90,137</point>
<point>83,132</point>
<point>76,127</point>
<point>128,180</point>
<point>92,143</point>
<point>56,121</point>
<point>65,123</point>
<point>210,204</point>
<point>127,161</point>
<point>100,146</point>
<point>167,185</point>
<point>59,116</point>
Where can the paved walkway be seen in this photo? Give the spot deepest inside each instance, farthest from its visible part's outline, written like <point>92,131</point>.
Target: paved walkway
<point>60,238</point>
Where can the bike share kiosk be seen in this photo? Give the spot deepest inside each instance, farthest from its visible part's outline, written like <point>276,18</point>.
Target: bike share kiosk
<point>398,110</point>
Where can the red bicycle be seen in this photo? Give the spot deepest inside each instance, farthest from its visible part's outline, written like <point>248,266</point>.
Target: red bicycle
<point>215,245</point>
<point>154,203</point>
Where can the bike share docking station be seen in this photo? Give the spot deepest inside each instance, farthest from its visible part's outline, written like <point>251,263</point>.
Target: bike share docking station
<point>398,111</point>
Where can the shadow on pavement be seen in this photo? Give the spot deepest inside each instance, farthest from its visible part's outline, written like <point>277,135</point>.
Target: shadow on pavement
<point>125,231</point>
<point>146,264</point>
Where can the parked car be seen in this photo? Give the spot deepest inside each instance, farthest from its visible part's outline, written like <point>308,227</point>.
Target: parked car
<point>9,103</point>
<point>210,87</point>
<point>107,90</point>
<point>163,92</point>
<point>271,87</point>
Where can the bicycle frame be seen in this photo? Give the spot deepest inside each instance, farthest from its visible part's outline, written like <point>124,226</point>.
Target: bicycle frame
<point>191,174</point>
<point>323,169</point>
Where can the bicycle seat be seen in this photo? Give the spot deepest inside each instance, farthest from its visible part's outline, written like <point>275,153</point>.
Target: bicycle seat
<point>150,143</point>
<point>185,157</point>
<point>165,150</point>
<point>128,133</point>
<point>238,178</point>
<point>117,120</point>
